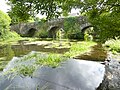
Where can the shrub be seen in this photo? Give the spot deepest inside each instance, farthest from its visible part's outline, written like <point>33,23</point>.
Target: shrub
<point>4,24</point>
<point>114,45</point>
<point>72,28</point>
<point>42,34</point>
<point>88,37</point>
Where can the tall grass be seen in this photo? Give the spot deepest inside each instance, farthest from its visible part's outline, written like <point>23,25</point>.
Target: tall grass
<point>52,60</point>
<point>27,64</point>
<point>113,45</point>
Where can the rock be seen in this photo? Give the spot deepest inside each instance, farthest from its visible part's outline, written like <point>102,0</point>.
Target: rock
<point>111,79</point>
<point>73,74</point>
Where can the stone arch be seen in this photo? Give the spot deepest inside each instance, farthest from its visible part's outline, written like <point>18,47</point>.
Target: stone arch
<point>83,29</point>
<point>31,32</point>
<point>52,31</point>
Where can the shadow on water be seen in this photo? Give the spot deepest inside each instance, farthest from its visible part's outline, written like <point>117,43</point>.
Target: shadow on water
<point>98,53</point>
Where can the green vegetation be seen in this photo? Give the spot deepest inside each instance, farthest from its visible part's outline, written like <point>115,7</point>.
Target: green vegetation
<point>4,25</point>
<point>25,70</point>
<point>51,59</point>
<point>113,45</point>
<point>88,37</point>
<point>72,28</point>
<point>42,34</point>
<point>10,37</point>
<point>4,22</point>
<point>5,33</point>
<point>27,64</point>
<point>79,48</point>
<point>104,15</point>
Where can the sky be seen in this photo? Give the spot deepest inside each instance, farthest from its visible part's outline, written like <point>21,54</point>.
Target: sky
<point>4,7</point>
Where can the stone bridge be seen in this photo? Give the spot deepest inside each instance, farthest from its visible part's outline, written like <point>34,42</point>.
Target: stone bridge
<point>29,29</point>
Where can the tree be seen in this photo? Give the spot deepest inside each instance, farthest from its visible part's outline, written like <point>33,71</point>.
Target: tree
<point>103,14</point>
<point>4,24</point>
<point>23,9</point>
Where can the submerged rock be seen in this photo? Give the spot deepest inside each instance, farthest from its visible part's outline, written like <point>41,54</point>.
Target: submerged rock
<point>112,76</point>
<point>72,74</point>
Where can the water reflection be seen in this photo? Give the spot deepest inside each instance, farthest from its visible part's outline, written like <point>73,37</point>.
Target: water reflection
<point>6,54</point>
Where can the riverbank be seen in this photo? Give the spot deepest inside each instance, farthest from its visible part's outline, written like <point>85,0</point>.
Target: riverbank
<point>23,47</point>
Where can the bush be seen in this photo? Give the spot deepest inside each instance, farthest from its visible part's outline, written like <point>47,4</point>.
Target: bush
<point>5,33</point>
<point>72,28</point>
<point>42,34</point>
<point>114,45</point>
<point>88,37</point>
<point>4,23</point>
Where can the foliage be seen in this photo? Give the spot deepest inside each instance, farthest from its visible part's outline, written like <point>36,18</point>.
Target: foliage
<point>10,36</point>
<point>107,26</point>
<point>19,12</point>
<point>114,45</point>
<point>5,33</point>
<point>72,28</point>
<point>88,37</point>
<point>60,34</point>
<point>105,16</point>
<point>42,34</point>
<point>25,70</point>
<point>27,64</point>
<point>52,60</point>
<point>79,48</point>
<point>52,8</point>
<point>4,24</point>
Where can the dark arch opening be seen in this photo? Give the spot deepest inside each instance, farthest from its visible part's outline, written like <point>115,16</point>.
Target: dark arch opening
<point>31,32</point>
<point>52,32</point>
<point>83,30</point>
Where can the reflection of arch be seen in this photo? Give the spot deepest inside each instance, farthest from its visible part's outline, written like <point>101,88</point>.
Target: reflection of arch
<point>31,32</point>
<point>52,31</point>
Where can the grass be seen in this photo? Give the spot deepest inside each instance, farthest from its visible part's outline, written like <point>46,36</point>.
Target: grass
<point>52,60</point>
<point>113,45</point>
<point>27,64</point>
<point>25,70</point>
<point>79,48</point>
